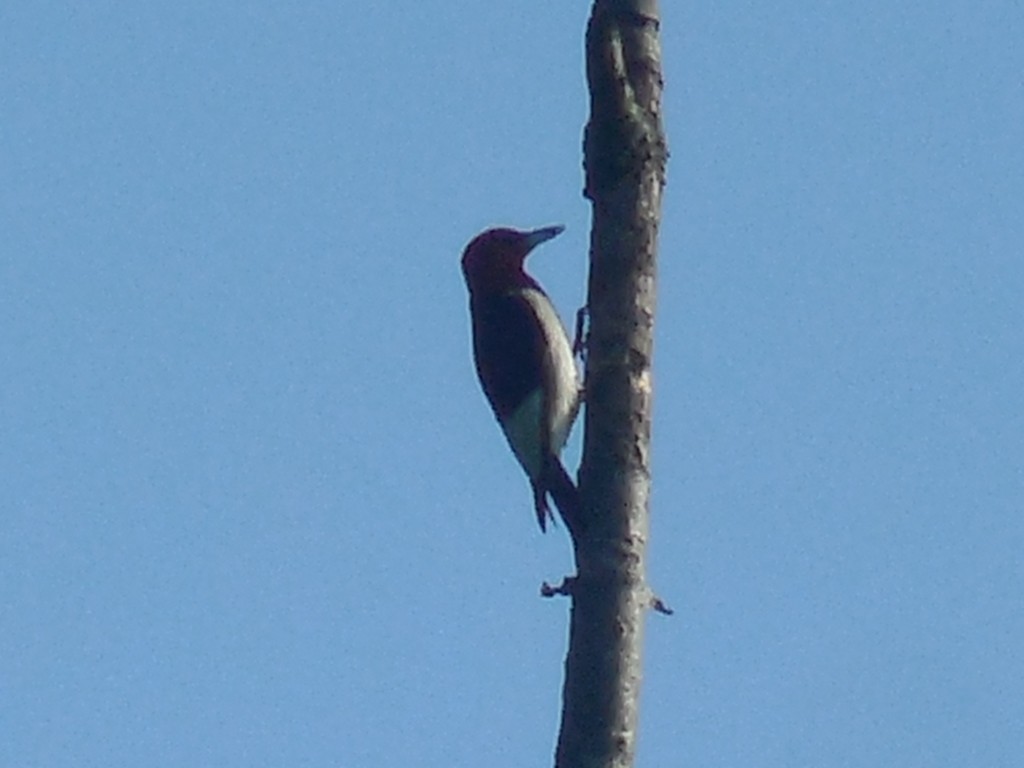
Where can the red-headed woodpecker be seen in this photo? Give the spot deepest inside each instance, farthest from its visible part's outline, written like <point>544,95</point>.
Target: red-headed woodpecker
<point>524,361</point>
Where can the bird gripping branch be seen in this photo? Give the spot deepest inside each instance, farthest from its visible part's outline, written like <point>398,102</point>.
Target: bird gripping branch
<point>524,361</point>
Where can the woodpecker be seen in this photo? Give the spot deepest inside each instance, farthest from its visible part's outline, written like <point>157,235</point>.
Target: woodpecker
<point>524,361</point>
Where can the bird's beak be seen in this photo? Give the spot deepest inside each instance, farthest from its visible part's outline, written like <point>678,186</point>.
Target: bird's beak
<point>538,236</point>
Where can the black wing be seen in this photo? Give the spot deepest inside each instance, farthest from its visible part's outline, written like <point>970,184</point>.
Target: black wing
<point>508,345</point>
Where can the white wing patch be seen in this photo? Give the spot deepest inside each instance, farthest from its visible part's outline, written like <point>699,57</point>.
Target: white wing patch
<point>523,428</point>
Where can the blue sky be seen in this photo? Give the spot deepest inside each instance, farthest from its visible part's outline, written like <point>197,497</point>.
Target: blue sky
<point>254,510</point>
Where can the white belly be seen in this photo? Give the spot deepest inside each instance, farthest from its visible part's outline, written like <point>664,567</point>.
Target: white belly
<point>523,428</point>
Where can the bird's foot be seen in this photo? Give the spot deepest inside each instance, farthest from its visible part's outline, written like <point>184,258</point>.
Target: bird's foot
<point>579,342</point>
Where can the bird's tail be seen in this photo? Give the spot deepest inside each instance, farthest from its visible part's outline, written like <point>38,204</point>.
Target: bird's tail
<point>563,491</point>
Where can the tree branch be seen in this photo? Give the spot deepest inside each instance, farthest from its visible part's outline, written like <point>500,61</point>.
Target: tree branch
<point>624,161</point>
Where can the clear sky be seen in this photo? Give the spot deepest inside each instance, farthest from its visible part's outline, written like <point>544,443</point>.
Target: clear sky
<point>254,510</point>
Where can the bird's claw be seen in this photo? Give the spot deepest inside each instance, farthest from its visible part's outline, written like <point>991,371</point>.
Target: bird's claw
<point>579,342</point>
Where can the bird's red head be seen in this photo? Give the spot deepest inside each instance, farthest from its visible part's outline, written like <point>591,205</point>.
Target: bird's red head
<point>493,260</point>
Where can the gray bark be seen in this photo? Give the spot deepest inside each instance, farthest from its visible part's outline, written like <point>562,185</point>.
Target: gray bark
<point>624,159</point>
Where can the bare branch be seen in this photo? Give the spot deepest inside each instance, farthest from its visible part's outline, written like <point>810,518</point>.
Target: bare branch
<point>624,160</point>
